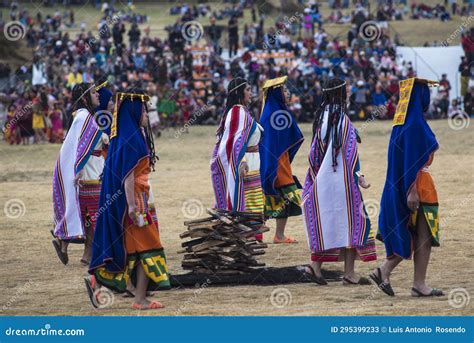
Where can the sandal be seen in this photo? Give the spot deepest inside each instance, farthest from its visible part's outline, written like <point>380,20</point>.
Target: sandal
<point>363,281</point>
<point>286,240</point>
<point>153,305</point>
<point>93,296</point>
<point>63,257</point>
<point>320,280</point>
<point>384,286</point>
<point>435,292</point>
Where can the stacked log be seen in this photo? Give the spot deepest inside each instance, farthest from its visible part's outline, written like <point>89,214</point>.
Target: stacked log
<point>223,243</point>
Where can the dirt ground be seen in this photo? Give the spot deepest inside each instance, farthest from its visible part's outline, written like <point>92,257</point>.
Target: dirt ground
<point>34,282</point>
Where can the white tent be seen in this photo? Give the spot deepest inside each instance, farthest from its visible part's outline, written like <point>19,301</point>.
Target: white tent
<point>431,63</point>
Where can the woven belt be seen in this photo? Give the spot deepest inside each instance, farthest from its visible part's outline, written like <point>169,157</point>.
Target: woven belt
<point>252,148</point>
<point>96,153</point>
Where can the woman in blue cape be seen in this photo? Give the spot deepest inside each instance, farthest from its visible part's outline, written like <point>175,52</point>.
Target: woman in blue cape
<point>127,243</point>
<point>102,114</point>
<point>408,221</point>
<point>281,140</point>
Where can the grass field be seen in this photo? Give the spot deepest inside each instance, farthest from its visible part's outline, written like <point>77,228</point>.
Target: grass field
<point>34,282</point>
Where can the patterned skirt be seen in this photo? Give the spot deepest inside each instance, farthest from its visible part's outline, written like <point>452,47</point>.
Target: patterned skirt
<point>89,194</point>
<point>428,206</point>
<point>430,213</point>
<point>153,263</point>
<point>143,245</point>
<point>366,253</point>
<point>254,201</point>
<point>284,205</point>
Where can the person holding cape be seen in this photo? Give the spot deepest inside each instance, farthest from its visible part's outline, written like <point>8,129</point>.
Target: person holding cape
<point>409,220</point>
<point>337,224</point>
<point>127,244</point>
<point>235,163</point>
<point>76,177</point>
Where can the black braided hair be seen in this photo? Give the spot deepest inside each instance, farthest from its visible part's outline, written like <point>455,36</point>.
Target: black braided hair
<point>150,141</point>
<point>235,96</point>
<point>335,101</point>
<point>78,102</point>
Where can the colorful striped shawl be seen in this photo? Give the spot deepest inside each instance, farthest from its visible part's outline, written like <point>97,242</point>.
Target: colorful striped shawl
<point>332,203</point>
<point>226,157</point>
<point>80,141</point>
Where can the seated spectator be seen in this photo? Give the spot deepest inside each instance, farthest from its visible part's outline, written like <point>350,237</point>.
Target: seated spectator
<point>469,102</point>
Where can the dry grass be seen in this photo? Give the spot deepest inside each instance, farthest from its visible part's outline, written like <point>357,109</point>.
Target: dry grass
<point>34,282</point>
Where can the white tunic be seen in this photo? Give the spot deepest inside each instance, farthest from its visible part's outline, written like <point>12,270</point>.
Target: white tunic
<point>94,166</point>
<point>253,158</point>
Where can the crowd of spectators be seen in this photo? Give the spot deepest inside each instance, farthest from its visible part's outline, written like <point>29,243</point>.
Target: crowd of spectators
<point>187,75</point>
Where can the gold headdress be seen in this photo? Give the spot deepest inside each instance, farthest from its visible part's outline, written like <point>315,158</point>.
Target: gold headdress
<point>277,82</point>
<point>406,86</point>
<point>102,85</point>
<point>119,98</point>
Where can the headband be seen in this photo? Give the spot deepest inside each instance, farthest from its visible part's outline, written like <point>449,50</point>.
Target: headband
<point>82,95</point>
<point>336,87</point>
<point>233,89</point>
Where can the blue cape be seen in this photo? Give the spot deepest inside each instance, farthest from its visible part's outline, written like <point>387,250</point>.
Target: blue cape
<point>124,153</point>
<point>281,133</point>
<point>410,147</point>
<point>104,122</point>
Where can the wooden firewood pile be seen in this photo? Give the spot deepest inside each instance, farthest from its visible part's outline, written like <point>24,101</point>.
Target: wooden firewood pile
<point>223,243</point>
